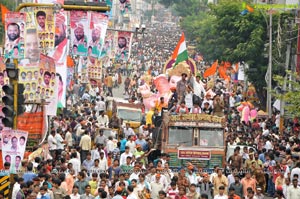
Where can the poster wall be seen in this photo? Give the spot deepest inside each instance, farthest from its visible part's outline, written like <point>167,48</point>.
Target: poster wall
<point>13,148</point>
<point>123,45</point>
<point>94,69</point>
<point>38,79</point>
<point>79,32</point>
<point>98,27</point>
<point>44,20</point>
<point>14,35</point>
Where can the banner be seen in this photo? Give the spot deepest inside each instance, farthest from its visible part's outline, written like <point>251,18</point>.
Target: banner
<point>13,148</point>
<point>79,32</point>
<point>59,53</point>
<point>45,25</point>
<point>95,69</point>
<point>108,44</point>
<point>123,45</point>
<point>98,27</point>
<point>14,35</point>
<point>125,6</point>
<point>61,73</point>
<point>49,1</point>
<point>38,79</point>
<point>3,77</point>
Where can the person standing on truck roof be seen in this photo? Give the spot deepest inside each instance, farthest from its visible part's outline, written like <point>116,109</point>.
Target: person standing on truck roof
<point>102,119</point>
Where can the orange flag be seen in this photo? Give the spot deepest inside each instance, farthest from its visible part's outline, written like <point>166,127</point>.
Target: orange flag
<point>222,73</point>
<point>211,70</point>
<point>227,64</point>
<point>4,10</point>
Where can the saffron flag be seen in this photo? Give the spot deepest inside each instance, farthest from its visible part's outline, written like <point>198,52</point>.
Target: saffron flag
<point>4,10</point>
<point>180,53</point>
<point>222,72</point>
<point>211,70</point>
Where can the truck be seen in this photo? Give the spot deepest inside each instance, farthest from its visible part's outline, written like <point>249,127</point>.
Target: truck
<point>129,112</point>
<point>195,138</point>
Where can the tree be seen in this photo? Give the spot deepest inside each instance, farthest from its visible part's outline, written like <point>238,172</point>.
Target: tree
<point>289,96</point>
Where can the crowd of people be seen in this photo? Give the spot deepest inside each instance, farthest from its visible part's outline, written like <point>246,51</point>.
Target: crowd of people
<point>83,163</point>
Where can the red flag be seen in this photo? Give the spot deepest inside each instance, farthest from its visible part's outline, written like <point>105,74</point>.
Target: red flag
<point>212,70</point>
<point>4,10</point>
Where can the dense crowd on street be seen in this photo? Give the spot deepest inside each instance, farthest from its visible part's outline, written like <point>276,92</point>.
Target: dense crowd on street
<point>83,163</point>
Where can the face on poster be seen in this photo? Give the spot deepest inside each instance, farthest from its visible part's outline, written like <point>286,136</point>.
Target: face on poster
<point>45,27</point>
<point>13,147</point>
<point>61,73</point>
<point>3,77</point>
<point>123,45</point>
<point>79,32</point>
<point>98,27</point>
<point>32,49</point>
<point>125,6</point>
<point>14,35</point>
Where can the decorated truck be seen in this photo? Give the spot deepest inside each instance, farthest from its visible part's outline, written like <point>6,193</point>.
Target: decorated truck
<point>195,138</point>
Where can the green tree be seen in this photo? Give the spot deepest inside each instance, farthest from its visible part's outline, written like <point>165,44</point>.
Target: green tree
<point>289,96</point>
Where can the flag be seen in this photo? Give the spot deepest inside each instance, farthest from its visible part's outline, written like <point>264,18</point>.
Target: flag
<point>4,10</point>
<point>211,70</point>
<point>222,72</point>
<point>180,53</point>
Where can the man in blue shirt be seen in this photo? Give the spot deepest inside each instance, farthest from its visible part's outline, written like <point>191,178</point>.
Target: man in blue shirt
<point>29,175</point>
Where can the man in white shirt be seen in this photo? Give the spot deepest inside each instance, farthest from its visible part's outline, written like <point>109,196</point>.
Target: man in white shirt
<point>198,86</point>
<point>124,156</point>
<point>131,194</point>
<point>16,187</point>
<point>102,119</point>
<point>128,131</point>
<point>75,163</point>
<point>69,139</point>
<point>59,141</point>
<point>221,194</point>
<point>156,186</point>
<point>52,144</point>
<point>131,144</point>
<point>103,162</point>
<point>293,192</point>
<point>296,171</point>
<point>110,146</point>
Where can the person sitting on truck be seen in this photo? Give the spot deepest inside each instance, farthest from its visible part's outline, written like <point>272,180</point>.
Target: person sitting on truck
<point>102,119</point>
<point>128,131</point>
<point>114,121</point>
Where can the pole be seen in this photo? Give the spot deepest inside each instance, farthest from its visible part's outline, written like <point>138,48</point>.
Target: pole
<point>298,45</point>
<point>15,86</point>
<point>287,62</point>
<point>269,100</point>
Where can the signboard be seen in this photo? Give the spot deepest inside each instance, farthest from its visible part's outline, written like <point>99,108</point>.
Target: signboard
<point>197,118</point>
<point>194,154</point>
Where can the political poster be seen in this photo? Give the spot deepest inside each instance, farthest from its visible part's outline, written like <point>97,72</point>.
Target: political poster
<point>125,6</point>
<point>79,32</point>
<point>38,79</point>
<point>59,53</point>
<point>98,27</point>
<point>61,73</point>
<point>3,77</point>
<point>94,69</point>
<point>108,44</point>
<point>44,19</point>
<point>123,45</point>
<point>32,48</point>
<point>14,35</point>
<point>13,148</point>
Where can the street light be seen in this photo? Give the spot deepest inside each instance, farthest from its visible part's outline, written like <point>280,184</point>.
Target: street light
<point>140,30</point>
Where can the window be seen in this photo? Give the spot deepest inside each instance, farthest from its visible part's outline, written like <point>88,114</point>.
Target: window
<point>130,115</point>
<point>181,136</point>
<point>211,137</point>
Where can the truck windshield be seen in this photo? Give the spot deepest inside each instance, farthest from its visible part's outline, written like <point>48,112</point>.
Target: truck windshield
<point>130,114</point>
<point>182,136</point>
<point>211,137</point>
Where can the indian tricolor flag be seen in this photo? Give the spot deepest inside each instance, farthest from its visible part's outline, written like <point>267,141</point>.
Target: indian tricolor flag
<point>180,53</point>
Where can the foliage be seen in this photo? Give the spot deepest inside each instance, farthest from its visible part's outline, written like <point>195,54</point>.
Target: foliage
<point>222,33</point>
<point>289,96</point>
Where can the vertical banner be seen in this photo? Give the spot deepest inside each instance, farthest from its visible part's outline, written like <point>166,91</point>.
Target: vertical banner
<point>3,77</point>
<point>59,53</point>
<point>95,69</point>
<point>13,148</point>
<point>108,44</point>
<point>14,35</point>
<point>79,32</point>
<point>125,6</point>
<point>45,25</point>
<point>98,27</point>
<point>123,45</point>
